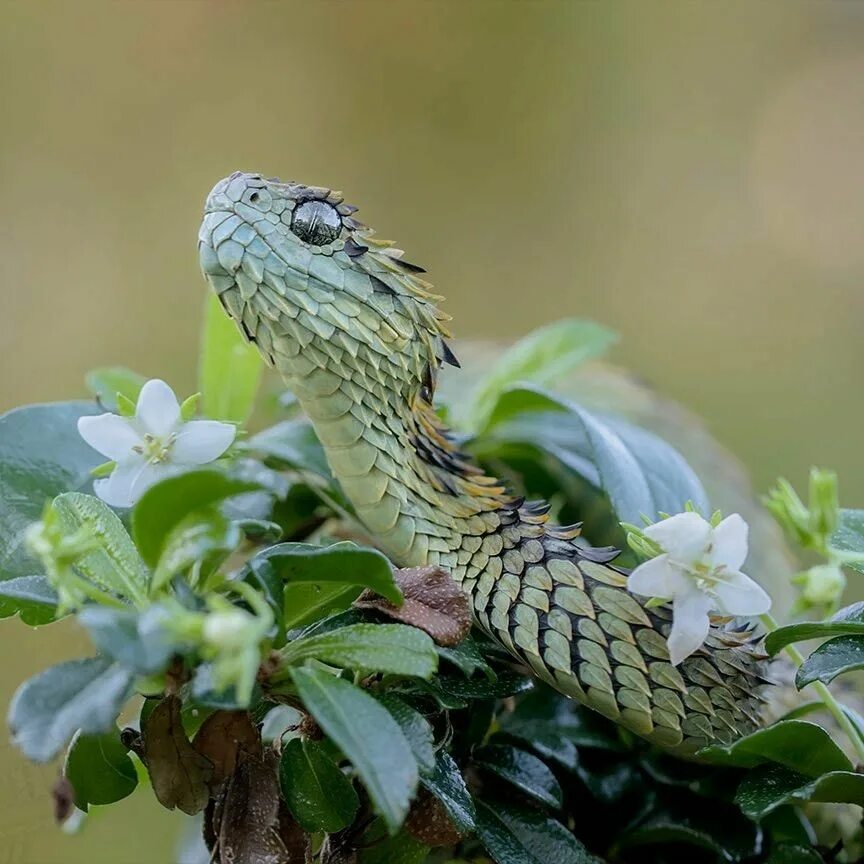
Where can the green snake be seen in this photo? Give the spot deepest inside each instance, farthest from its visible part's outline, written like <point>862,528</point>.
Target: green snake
<point>356,334</point>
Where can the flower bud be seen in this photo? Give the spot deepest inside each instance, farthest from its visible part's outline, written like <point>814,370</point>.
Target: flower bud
<point>824,503</point>
<point>822,585</point>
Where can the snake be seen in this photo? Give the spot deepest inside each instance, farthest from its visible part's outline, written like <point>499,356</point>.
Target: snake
<point>356,333</point>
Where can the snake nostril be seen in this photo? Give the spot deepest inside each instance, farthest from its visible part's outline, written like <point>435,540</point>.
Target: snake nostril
<point>254,196</point>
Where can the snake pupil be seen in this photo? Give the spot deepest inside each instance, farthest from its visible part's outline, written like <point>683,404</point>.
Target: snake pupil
<point>316,222</point>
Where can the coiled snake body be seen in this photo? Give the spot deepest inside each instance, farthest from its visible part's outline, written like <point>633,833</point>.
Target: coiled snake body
<point>357,336</point>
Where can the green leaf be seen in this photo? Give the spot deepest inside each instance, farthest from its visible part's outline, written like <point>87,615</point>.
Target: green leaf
<point>393,648</point>
<point>846,622</point>
<point>843,654</point>
<point>164,506</point>
<point>293,444</point>
<point>466,656</point>
<point>446,783</point>
<point>81,694</point>
<point>416,729</point>
<point>659,830</point>
<point>230,368</point>
<point>456,691</point>
<point>305,602</point>
<point>849,537</point>
<point>31,597</point>
<point>401,849</point>
<point>641,473</point>
<point>42,455</point>
<point>135,641</point>
<point>524,771</point>
<point>115,563</point>
<point>341,564</point>
<point>514,835</point>
<point>316,791</point>
<point>768,787</point>
<point>99,769</point>
<point>557,728</point>
<point>795,744</point>
<point>368,736</point>
<point>107,381</point>
<point>542,357</point>
<point>204,538</point>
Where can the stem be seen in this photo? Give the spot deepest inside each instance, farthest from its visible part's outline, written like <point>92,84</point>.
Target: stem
<point>825,694</point>
<point>88,589</point>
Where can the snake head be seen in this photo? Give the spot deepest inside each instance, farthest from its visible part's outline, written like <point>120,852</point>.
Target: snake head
<point>300,275</point>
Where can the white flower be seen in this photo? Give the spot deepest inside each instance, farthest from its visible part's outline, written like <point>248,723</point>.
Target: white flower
<point>152,445</point>
<point>698,571</point>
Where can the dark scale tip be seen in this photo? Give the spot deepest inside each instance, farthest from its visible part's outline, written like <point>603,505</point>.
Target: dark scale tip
<point>354,249</point>
<point>448,356</point>
<point>411,268</point>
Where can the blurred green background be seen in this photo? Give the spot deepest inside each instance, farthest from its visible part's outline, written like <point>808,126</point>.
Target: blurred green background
<point>691,173</point>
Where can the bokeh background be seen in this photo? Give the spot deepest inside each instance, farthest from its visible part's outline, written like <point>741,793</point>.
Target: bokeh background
<point>691,173</point>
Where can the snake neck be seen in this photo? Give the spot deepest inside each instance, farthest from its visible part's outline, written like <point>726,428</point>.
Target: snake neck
<point>413,489</point>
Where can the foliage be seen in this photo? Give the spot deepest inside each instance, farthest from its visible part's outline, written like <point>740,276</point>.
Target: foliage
<point>224,599</point>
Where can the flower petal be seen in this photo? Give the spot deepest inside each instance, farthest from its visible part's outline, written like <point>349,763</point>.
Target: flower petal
<point>738,594</point>
<point>111,435</point>
<point>201,441</point>
<point>658,578</point>
<point>730,543</point>
<point>129,481</point>
<point>690,625</point>
<point>158,409</point>
<point>684,536</point>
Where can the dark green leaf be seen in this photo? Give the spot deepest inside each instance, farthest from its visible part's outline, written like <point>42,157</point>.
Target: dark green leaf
<point>344,564</point>
<point>230,368</point>
<point>524,771</point>
<point>292,443</point>
<point>789,853</point>
<point>416,729</point>
<point>319,795</point>
<point>446,783</point>
<point>202,537</point>
<point>795,744</point>
<point>641,474</point>
<point>542,357</point>
<point>847,622</point>
<point>401,849</point>
<point>99,769</point>
<point>31,597</point>
<point>42,455</point>
<point>115,563</point>
<point>557,727</point>
<point>768,787</point>
<point>849,537</point>
<point>515,835</point>
<point>660,831</point>
<point>393,648</point>
<point>467,657</point>
<point>456,691</point>
<point>119,634</point>
<point>843,654</point>
<point>164,506</point>
<point>106,382</point>
<point>80,694</point>
<point>368,735</point>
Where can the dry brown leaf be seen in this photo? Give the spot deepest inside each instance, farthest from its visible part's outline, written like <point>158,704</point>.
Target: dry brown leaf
<point>429,823</point>
<point>223,736</point>
<point>179,774</point>
<point>433,602</point>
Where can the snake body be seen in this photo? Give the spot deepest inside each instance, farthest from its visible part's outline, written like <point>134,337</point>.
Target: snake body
<point>356,334</point>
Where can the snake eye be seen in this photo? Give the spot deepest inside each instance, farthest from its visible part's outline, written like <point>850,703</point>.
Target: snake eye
<point>316,222</point>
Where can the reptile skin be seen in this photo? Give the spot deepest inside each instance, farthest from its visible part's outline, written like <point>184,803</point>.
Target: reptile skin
<point>357,336</point>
